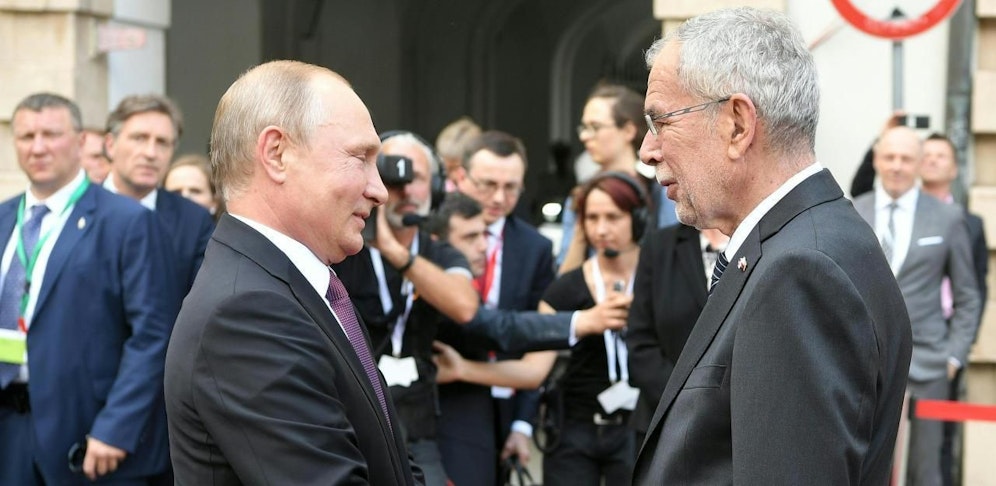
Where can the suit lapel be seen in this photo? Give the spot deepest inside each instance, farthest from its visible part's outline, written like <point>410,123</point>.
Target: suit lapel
<point>79,223</point>
<point>922,217</point>
<point>8,217</point>
<point>247,241</point>
<point>713,315</point>
<point>817,189</point>
<point>511,245</point>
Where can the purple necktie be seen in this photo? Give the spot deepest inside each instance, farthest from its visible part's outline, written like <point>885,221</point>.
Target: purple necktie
<point>343,307</point>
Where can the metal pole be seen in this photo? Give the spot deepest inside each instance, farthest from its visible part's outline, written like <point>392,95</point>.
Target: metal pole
<point>897,75</point>
<point>897,66</point>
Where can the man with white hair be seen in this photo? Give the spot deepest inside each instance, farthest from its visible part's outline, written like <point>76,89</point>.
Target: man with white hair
<point>795,370</point>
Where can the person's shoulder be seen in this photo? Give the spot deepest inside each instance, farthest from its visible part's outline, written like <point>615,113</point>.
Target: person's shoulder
<point>11,203</point>
<point>517,226</point>
<point>185,207</point>
<point>865,198</point>
<point>116,204</point>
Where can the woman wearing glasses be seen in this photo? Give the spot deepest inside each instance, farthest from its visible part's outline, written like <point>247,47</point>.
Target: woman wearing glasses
<point>612,129</point>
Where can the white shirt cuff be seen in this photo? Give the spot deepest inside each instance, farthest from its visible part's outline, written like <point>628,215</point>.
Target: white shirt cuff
<point>572,339</point>
<point>522,427</point>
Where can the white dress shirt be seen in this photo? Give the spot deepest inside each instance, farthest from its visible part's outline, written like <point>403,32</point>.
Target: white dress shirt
<point>52,223</point>
<point>902,222</point>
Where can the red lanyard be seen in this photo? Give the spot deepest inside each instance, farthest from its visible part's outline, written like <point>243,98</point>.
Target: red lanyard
<point>485,281</point>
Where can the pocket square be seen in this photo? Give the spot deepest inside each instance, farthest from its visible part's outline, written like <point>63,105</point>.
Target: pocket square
<point>930,240</point>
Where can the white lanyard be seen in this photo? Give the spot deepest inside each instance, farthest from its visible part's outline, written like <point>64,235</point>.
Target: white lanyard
<point>387,303</point>
<point>615,347</point>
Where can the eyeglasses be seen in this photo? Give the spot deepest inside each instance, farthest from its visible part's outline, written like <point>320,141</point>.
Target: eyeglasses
<point>488,188</point>
<point>592,128</point>
<point>654,120</point>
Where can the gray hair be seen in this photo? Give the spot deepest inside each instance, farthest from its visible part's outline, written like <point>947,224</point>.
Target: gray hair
<point>278,93</point>
<point>411,138</point>
<point>39,101</point>
<point>756,52</point>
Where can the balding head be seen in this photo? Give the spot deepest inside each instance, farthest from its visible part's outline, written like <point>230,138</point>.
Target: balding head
<point>278,93</point>
<point>898,154</point>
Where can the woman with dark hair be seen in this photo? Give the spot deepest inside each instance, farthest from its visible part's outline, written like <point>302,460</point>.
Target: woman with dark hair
<point>595,441</point>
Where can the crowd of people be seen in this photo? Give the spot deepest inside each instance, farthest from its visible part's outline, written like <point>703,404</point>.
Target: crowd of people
<point>318,303</point>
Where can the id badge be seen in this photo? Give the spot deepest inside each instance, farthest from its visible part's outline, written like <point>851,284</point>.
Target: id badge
<point>13,346</point>
<point>618,396</point>
<point>398,371</point>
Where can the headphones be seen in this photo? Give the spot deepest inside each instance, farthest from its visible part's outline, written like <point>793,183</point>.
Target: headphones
<point>437,186</point>
<point>639,214</point>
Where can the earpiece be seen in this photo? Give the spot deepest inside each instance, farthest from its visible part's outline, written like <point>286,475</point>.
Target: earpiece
<point>641,213</point>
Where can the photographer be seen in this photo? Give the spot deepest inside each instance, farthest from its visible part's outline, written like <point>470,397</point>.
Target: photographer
<point>403,284</point>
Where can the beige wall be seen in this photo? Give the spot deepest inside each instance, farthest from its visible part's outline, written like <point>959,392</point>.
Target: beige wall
<point>51,45</point>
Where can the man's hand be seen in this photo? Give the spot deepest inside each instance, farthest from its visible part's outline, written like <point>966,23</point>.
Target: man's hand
<point>952,370</point>
<point>101,459</point>
<point>611,313</point>
<point>518,444</point>
<point>390,248</point>
<point>449,363</point>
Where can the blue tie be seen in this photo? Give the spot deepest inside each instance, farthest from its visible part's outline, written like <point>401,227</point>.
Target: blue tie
<point>717,271</point>
<point>14,286</point>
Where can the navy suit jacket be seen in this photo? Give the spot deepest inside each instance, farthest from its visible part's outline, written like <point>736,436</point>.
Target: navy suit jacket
<point>189,226</point>
<point>527,270</point>
<point>97,341</point>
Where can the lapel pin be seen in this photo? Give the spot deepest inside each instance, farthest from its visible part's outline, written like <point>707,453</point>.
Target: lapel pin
<point>81,223</point>
<point>742,264</point>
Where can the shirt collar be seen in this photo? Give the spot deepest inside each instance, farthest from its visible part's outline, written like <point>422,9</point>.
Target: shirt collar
<point>748,224</point>
<point>57,201</point>
<point>498,227</point>
<point>316,272</point>
<point>148,201</point>
<point>906,202</point>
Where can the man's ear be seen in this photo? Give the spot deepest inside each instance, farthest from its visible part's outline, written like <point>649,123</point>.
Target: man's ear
<point>743,115</point>
<point>108,145</point>
<point>272,153</point>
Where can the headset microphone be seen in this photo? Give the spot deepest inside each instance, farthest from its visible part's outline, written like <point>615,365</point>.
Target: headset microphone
<point>412,219</point>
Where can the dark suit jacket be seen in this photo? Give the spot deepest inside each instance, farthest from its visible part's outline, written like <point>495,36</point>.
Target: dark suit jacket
<point>980,256</point>
<point>669,291</point>
<point>796,368</point>
<point>98,338</point>
<point>527,270</point>
<point>189,226</point>
<point>262,385</point>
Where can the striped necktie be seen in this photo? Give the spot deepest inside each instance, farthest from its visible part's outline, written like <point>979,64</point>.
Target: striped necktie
<point>717,271</point>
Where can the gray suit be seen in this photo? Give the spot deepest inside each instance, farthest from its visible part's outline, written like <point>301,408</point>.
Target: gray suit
<point>939,247</point>
<point>794,372</point>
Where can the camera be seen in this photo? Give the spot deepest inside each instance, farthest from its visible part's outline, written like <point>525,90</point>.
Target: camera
<point>921,122</point>
<point>395,170</point>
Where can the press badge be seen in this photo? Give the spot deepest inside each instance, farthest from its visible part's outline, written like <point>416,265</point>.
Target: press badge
<point>398,371</point>
<point>13,346</point>
<point>618,396</point>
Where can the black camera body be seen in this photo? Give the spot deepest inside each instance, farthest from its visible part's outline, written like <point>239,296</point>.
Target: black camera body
<point>395,170</point>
